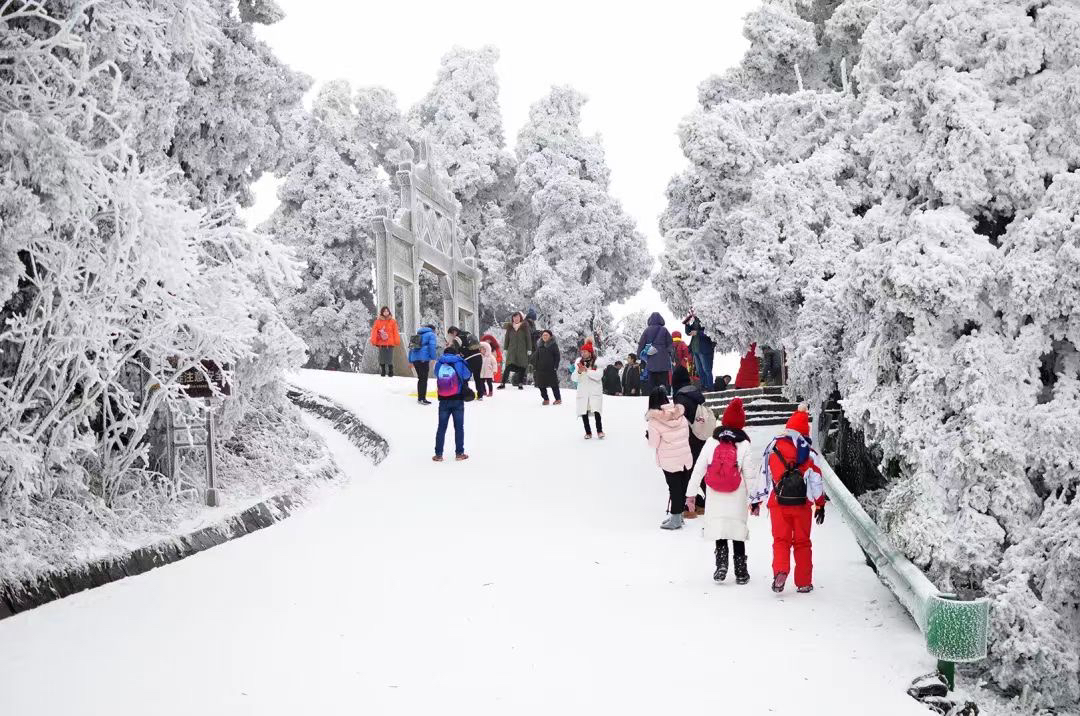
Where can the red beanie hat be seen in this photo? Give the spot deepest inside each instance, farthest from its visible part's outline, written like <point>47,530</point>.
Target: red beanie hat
<point>799,420</point>
<point>588,347</point>
<point>676,334</point>
<point>734,415</point>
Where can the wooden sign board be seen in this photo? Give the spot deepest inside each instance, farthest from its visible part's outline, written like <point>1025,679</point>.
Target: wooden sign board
<point>201,383</point>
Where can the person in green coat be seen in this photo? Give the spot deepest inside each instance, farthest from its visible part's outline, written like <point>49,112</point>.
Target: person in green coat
<point>518,348</point>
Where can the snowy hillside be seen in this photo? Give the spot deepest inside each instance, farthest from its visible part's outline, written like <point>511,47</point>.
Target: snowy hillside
<point>530,577</point>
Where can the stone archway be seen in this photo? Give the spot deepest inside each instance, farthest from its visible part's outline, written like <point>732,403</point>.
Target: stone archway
<point>425,234</point>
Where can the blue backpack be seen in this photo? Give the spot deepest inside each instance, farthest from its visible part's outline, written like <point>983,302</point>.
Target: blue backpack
<point>447,381</point>
<point>643,357</point>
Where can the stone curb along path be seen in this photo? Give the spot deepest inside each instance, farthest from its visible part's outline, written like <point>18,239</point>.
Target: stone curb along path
<point>23,596</point>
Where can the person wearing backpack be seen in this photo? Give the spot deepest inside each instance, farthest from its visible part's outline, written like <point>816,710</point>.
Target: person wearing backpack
<point>384,336</point>
<point>469,346</point>
<point>725,471</point>
<point>667,434</point>
<point>452,377</point>
<point>421,353</point>
<point>790,474</point>
<point>658,350</point>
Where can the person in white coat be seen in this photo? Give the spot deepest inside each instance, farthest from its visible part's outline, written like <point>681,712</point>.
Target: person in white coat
<point>587,376</point>
<point>725,466</point>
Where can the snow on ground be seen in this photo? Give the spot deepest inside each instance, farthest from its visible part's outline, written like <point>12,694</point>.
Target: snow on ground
<point>532,578</point>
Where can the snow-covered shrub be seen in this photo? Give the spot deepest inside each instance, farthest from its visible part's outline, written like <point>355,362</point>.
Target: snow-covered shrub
<point>904,225</point>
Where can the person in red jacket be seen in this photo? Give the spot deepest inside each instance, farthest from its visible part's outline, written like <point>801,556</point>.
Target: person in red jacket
<point>792,477</point>
<point>682,352</point>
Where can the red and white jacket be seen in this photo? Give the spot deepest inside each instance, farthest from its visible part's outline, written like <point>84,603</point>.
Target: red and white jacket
<point>790,444</point>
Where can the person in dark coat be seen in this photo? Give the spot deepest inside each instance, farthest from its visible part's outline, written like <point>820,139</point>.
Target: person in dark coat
<point>691,398</point>
<point>631,376</point>
<point>702,347</point>
<point>469,348</point>
<point>659,354</point>
<point>612,382</point>
<point>688,395</point>
<point>545,360</point>
<point>517,347</point>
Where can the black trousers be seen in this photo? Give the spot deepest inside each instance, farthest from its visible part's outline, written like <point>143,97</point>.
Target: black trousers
<point>422,367</point>
<point>739,548</point>
<point>676,484</point>
<point>554,391</point>
<point>489,384</point>
<point>519,374</point>
<point>658,379</point>
<point>599,423</point>
<point>476,365</point>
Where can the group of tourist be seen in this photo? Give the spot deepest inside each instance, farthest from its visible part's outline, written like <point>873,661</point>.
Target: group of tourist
<point>705,463</point>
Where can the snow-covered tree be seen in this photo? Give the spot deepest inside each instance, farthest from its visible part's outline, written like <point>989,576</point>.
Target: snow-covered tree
<point>327,200</point>
<point>904,226</point>
<point>121,262</point>
<point>580,251</point>
<point>462,118</point>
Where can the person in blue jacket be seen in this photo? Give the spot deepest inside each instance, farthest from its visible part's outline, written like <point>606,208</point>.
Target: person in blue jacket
<point>421,357</point>
<point>452,377</point>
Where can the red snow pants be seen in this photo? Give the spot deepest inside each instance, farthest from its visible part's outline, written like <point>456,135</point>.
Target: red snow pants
<point>791,529</point>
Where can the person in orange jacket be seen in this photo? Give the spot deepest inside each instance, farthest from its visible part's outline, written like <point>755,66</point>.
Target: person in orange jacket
<point>384,335</point>
<point>789,472</point>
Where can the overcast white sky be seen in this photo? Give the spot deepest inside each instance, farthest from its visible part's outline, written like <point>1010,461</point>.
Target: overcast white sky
<point>639,64</point>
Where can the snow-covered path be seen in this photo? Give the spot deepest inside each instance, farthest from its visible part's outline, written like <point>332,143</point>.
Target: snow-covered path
<point>531,579</point>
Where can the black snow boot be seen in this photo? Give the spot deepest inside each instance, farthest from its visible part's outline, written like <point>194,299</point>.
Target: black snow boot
<point>741,575</point>
<point>721,562</point>
<point>382,370</point>
<point>390,370</point>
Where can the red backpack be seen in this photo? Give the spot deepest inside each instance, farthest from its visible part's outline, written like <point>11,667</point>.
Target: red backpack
<point>723,473</point>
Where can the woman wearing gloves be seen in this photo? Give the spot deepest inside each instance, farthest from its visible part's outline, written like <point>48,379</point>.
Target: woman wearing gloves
<point>724,464</point>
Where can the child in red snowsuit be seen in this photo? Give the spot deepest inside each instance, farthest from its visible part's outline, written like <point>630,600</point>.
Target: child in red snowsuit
<point>789,514</point>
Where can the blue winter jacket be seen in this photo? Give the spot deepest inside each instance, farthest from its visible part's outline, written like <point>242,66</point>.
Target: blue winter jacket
<point>660,338</point>
<point>426,351</point>
<point>464,374</point>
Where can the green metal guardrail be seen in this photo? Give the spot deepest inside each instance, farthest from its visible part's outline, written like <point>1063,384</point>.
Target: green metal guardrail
<point>955,629</point>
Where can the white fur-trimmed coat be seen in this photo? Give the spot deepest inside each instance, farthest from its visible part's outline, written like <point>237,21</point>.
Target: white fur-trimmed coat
<point>726,513</point>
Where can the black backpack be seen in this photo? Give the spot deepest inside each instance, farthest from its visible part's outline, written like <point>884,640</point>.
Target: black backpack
<point>416,342</point>
<point>469,342</point>
<point>791,487</point>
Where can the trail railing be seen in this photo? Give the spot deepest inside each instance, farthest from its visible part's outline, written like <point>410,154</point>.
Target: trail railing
<point>955,629</point>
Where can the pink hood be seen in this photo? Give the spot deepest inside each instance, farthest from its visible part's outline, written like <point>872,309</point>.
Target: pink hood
<point>669,435</point>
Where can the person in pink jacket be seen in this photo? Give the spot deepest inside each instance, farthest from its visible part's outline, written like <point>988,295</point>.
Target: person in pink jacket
<point>669,435</point>
<point>487,372</point>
